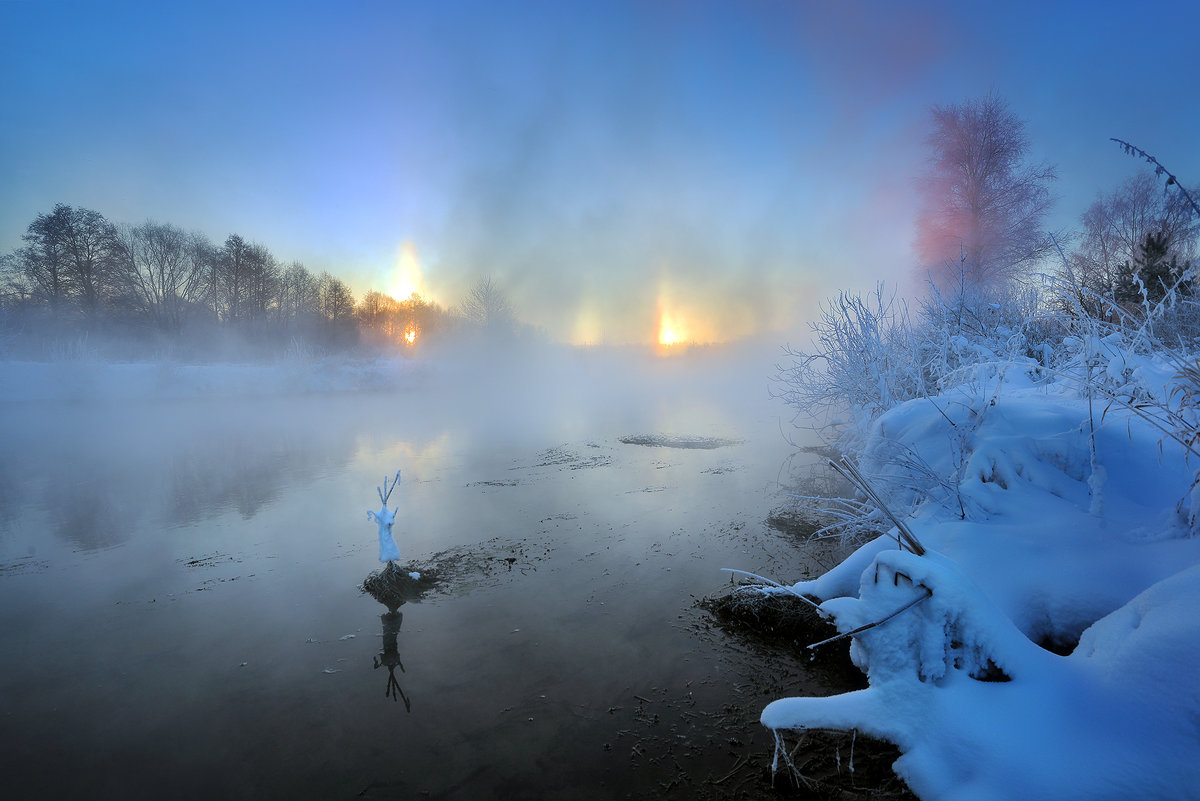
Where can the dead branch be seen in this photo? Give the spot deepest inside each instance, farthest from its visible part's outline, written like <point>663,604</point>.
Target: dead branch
<point>904,535</point>
<point>385,491</point>
<point>880,622</point>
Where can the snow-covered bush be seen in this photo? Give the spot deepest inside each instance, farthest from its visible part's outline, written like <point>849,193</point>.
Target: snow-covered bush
<point>864,361</point>
<point>871,355</point>
<point>1045,454</point>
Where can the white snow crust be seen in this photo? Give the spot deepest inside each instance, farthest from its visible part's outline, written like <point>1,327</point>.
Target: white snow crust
<point>1031,538</point>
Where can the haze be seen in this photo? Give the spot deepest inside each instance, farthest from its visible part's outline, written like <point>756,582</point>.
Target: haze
<point>723,165</point>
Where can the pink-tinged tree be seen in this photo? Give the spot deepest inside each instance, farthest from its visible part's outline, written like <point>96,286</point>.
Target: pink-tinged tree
<point>984,208</point>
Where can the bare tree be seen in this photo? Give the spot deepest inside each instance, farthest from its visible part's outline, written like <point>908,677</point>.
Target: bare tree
<point>299,295</point>
<point>262,282</point>
<point>38,271</point>
<point>233,278</point>
<point>337,302</point>
<point>487,307</point>
<point>162,278</point>
<point>71,253</point>
<point>205,263</point>
<point>1116,227</point>
<point>984,207</point>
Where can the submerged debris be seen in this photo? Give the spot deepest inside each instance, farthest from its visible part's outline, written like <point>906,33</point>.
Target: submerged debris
<point>799,523</point>
<point>675,441</point>
<point>839,766</point>
<point>746,609</point>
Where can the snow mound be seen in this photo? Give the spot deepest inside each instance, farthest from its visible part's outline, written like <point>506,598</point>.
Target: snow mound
<point>980,712</point>
<point>1038,531</point>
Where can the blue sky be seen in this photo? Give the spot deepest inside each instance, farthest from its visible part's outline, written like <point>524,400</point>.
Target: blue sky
<point>729,163</point>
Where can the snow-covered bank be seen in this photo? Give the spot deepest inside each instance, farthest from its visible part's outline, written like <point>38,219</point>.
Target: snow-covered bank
<point>113,381</point>
<point>1035,533</point>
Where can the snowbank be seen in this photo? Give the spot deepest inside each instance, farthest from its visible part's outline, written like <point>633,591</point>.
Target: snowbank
<point>1116,719</point>
<point>1036,533</point>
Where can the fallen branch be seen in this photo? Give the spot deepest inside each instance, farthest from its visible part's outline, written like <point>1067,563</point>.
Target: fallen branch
<point>741,762</point>
<point>880,622</point>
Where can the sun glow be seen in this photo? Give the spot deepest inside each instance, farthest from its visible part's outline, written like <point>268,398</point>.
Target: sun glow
<point>668,332</point>
<point>410,335</point>
<point>406,277</point>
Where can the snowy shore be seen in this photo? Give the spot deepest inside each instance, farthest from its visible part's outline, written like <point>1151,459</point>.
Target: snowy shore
<point>1036,535</point>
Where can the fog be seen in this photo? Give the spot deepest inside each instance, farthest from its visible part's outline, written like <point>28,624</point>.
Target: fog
<point>200,533</point>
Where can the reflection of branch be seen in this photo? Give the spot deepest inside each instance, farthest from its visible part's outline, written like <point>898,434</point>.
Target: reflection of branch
<point>390,658</point>
<point>393,689</point>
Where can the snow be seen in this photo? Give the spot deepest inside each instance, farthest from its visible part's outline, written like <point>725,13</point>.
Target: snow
<point>1031,538</point>
<point>385,518</point>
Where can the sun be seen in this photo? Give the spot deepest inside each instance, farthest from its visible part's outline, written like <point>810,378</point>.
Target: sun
<point>407,276</point>
<point>667,335</point>
<point>670,330</point>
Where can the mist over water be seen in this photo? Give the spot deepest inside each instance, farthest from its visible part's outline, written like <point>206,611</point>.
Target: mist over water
<point>178,577</point>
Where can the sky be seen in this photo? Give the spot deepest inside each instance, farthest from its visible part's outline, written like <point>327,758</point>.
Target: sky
<point>724,166</point>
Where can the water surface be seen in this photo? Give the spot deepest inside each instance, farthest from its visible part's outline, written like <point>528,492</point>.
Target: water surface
<point>180,615</point>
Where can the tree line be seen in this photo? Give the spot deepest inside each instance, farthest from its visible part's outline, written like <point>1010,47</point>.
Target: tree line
<point>982,224</point>
<point>77,273</point>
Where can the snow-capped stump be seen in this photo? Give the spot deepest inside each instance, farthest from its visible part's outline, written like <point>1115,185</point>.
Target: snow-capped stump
<point>385,518</point>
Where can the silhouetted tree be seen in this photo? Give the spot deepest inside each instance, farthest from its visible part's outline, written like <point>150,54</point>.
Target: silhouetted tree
<point>1150,276</point>
<point>162,277</point>
<point>1116,227</point>
<point>232,277</point>
<point>984,207</point>
<point>337,311</point>
<point>204,259</point>
<point>71,254</point>
<point>299,296</point>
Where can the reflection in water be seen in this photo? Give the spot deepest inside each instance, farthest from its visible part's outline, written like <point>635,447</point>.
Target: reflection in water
<point>393,587</point>
<point>390,657</point>
<point>142,467</point>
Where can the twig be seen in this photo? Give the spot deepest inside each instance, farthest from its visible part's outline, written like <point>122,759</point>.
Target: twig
<point>880,622</point>
<point>1159,169</point>
<point>385,491</point>
<point>740,763</point>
